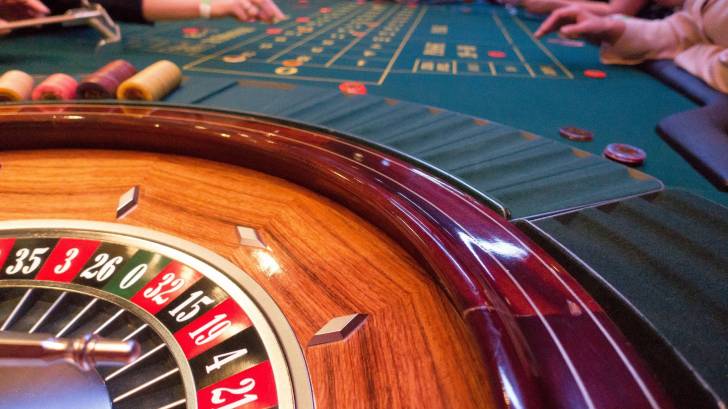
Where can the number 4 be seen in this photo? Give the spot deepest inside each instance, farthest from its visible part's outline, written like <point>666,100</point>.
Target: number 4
<point>219,360</point>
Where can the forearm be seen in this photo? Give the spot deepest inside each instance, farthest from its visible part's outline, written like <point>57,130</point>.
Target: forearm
<point>646,40</point>
<point>155,10</point>
<point>708,62</point>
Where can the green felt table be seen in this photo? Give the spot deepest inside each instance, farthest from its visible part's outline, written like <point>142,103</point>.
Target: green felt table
<point>437,55</point>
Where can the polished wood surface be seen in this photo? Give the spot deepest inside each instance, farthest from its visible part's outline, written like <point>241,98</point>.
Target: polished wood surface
<point>414,349</point>
<point>543,341</point>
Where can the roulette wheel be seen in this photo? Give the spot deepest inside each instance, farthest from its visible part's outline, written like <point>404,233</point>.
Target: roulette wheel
<point>261,264</point>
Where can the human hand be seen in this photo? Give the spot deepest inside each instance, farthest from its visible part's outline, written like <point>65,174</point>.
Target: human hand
<point>11,10</point>
<point>248,10</point>
<point>574,21</point>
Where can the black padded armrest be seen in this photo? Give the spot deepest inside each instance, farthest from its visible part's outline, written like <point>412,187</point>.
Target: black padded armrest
<point>683,82</point>
<point>701,137</point>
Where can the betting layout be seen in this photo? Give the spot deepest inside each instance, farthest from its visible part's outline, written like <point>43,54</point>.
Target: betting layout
<point>360,41</point>
<point>205,343</point>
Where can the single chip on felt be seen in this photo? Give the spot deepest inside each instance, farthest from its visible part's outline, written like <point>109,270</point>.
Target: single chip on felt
<point>352,88</point>
<point>496,54</point>
<point>566,42</point>
<point>274,30</point>
<point>625,154</point>
<point>325,10</point>
<point>292,63</point>
<point>358,34</point>
<point>303,19</point>
<point>190,31</point>
<point>597,74</point>
<point>235,58</point>
<point>573,133</point>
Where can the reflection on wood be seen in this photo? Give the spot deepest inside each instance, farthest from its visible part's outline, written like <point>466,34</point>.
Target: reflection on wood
<point>320,261</point>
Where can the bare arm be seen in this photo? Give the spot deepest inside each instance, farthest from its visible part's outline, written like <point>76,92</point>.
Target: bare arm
<point>243,10</point>
<point>708,62</point>
<point>626,7</point>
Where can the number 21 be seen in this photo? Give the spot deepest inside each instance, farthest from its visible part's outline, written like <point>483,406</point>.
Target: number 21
<point>246,384</point>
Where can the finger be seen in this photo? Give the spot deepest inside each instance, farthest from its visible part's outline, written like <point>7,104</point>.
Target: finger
<point>557,19</point>
<point>251,9</point>
<point>37,7</point>
<point>592,30</point>
<point>240,14</point>
<point>269,11</point>
<point>3,32</point>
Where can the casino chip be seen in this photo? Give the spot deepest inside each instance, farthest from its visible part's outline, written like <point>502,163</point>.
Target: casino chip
<point>496,54</point>
<point>56,87</point>
<point>303,19</point>
<point>625,154</point>
<point>292,63</point>
<point>573,133</point>
<point>325,10</point>
<point>274,31</point>
<point>194,32</point>
<point>566,42</point>
<point>596,74</point>
<point>352,88</point>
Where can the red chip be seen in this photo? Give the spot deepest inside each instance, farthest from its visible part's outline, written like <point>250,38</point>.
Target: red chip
<point>361,1</point>
<point>496,54</point>
<point>274,31</point>
<point>325,10</point>
<point>303,2</point>
<point>191,30</point>
<point>292,63</point>
<point>412,4</point>
<point>598,74</point>
<point>303,19</point>
<point>353,88</point>
<point>625,154</point>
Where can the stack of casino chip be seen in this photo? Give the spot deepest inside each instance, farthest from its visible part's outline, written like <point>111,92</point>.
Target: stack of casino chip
<point>15,86</point>
<point>152,83</point>
<point>103,83</point>
<point>56,87</point>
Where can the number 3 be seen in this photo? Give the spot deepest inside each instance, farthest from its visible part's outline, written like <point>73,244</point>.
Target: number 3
<point>71,254</point>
